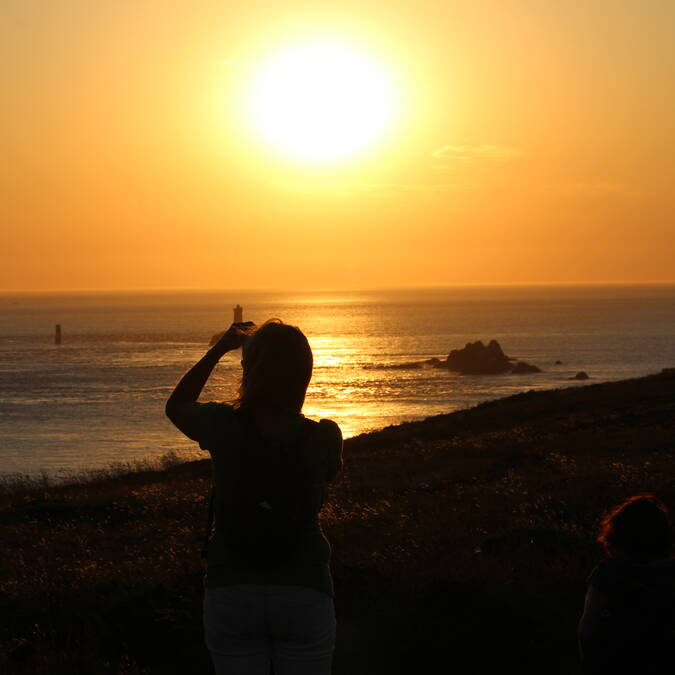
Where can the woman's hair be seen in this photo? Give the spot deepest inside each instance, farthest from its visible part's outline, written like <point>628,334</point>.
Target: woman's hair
<point>277,362</point>
<point>638,527</point>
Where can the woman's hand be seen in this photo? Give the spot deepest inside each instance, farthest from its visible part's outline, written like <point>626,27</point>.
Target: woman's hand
<point>187,391</point>
<point>230,340</point>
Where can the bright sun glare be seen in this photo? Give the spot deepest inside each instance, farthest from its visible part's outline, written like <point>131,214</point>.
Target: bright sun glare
<point>321,102</point>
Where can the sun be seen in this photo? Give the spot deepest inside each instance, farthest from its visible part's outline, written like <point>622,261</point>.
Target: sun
<point>321,102</point>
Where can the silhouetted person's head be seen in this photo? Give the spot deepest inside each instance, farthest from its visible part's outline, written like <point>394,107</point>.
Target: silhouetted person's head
<point>638,528</point>
<point>277,362</point>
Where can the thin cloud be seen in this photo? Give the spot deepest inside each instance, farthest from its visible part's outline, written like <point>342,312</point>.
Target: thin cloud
<point>356,189</point>
<point>597,188</point>
<point>450,156</point>
<point>351,190</point>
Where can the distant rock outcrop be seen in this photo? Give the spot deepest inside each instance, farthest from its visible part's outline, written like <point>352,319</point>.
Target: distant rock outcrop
<point>479,359</point>
<point>581,375</point>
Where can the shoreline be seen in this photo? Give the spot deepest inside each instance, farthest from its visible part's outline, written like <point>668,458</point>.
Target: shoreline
<point>65,477</point>
<point>114,470</point>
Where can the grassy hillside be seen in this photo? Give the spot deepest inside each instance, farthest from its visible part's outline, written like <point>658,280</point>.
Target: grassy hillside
<point>466,537</point>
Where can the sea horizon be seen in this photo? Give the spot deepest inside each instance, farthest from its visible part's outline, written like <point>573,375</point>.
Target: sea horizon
<point>337,289</point>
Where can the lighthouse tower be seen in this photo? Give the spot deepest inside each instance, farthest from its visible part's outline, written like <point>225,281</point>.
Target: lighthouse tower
<point>238,314</point>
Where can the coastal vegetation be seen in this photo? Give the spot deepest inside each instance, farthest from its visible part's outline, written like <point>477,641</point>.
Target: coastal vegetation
<point>463,539</point>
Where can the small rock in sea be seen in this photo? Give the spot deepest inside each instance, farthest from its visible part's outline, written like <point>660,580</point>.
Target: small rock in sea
<point>558,363</point>
<point>581,375</point>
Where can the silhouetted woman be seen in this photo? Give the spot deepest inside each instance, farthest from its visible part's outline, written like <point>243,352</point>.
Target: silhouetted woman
<point>628,624</point>
<point>268,588</point>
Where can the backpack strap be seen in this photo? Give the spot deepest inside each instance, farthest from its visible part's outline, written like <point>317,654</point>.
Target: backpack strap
<point>209,526</point>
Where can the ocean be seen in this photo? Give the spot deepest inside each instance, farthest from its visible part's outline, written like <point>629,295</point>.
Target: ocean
<point>98,398</point>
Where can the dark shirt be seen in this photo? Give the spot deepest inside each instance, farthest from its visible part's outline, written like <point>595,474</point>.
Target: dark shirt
<point>219,430</point>
<point>629,624</point>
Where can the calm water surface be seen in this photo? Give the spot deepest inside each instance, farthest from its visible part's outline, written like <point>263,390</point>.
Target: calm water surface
<point>99,397</point>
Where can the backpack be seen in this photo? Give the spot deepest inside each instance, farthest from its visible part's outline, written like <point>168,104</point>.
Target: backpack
<point>274,501</point>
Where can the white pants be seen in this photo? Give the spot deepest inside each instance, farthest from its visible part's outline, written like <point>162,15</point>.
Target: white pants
<point>249,626</point>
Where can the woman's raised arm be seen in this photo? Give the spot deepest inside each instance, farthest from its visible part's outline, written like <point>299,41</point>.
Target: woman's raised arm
<point>183,399</point>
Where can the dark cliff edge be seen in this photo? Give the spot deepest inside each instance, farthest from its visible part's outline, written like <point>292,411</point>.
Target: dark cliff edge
<point>465,537</point>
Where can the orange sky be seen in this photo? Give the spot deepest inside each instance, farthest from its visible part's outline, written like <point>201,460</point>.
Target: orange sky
<point>537,145</point>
